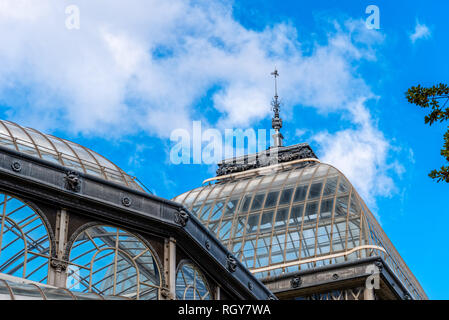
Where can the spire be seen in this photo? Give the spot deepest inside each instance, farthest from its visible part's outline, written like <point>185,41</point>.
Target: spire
<point>276,122</point>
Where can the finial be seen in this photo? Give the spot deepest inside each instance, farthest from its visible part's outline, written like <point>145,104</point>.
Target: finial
<point>276,122</point>
<point>275,74</point>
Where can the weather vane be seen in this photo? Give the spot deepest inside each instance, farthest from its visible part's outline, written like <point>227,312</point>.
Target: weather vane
<point>276,122</point>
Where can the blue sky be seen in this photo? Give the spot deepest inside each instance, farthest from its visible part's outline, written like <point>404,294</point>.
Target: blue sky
<point>131,74</point>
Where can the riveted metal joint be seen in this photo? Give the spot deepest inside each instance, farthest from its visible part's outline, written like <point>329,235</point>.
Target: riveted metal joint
<point>126,201</point>
<point>16,166</point>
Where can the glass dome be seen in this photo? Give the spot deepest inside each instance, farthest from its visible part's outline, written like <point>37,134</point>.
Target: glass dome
<point>295,217</point>
<point>63,152</point>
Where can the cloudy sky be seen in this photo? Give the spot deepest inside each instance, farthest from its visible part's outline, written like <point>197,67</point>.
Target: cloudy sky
<point>135,71</point>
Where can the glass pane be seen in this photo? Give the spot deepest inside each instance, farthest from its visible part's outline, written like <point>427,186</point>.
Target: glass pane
<point>338,236</point>
<point>315,190</point>
<point>280,222</point>
<point>61,146</point>
<point>311,211</point>
<point>330,187</point>
<point>23,291</point>
<point>326,209</point>
<point>341,208</point>
<point>239,226</point>
<point>231,207</point>
<point>6,141</point>
<point>245,203</point>
<point>272,198</point>
<point>191,284</point>
<point>321,171</point>
<point>82,154</point>
<point>205,211</point>
<point>107,260</point>
<point>343,186</point>
<point>300,193</point>
<point>323,240</point>
<point>292,246</point>
<point>191,197</point>
<point>17,133</point>
<point>4,291</point>
<point>308,243</point>
<point>225,229</point>
<point>22,228</point>
<point>262,251</point>
<point>258,202</point>
<point>216,212</point>
<point>296,216</point>
<point>253,222</point>
<point>56,294</point>
<point>266,222</point>
<point>286,196</point>
<point>277,248</point>
<point>103,161</point>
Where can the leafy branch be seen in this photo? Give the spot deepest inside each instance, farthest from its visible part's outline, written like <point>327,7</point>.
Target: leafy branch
<point>431,98</point>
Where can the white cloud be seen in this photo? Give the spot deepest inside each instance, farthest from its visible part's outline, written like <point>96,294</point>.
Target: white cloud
<point>361,153</point>
<point>136,66</point>
<point>144,67</point>
<point>421,32</point>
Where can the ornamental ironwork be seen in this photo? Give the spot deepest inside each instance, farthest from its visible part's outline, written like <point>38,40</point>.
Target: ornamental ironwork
<point>72,181</point>
<point>296,282</point>
<point>231,263</point>
<point>264,159</point>
<point>181,217</point>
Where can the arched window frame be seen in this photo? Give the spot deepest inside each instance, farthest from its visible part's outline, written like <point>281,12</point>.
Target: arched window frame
<point>48,236</point>
<point>87,226</point>
<point>199,272</point>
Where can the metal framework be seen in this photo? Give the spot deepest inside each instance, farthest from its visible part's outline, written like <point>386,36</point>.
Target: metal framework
<point>75,226</point>
<point>295,217</point>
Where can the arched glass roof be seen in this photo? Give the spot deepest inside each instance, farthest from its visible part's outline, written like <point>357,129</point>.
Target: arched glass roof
<point>15,290</point>
<point>63,152</point>
<point>296,217</point>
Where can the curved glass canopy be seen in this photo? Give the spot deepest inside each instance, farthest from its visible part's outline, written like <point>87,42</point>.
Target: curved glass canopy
<point>294,218</point>
<point>63,152</point>
<point>14,290</point>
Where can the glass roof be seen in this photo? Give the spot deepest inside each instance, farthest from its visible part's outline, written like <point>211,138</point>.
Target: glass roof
<point>294,218</point>
<point>13,290</point>
<point>63,152</point>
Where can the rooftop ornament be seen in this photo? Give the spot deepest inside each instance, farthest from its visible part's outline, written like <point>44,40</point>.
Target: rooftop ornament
<point>276,121</point>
